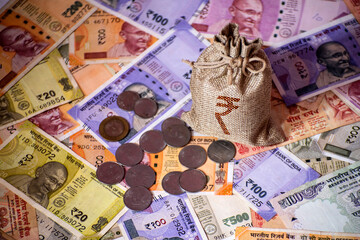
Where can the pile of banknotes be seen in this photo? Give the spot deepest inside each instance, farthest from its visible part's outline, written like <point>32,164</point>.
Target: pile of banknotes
<point>63,66</point>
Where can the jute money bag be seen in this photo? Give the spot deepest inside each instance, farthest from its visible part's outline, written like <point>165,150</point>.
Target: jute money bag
<point>230,87</point>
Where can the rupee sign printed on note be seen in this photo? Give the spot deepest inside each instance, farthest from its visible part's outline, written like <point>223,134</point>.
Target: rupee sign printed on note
<point>329,203</point>
<point>48,85</point>
<point>62,184</point>
<point>284,169</point>
<point>158,74</point>
<point>220,215</point>
<point>30,30</point>
<point>173,215</point>
<point>316,61</point>
<point>342,143</point>
<point>151,15</point>
<point>272,21</point>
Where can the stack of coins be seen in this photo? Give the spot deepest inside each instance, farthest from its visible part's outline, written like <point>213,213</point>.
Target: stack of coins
<point>138,177</point>
<point>192,157</point>
<point>176,134</point>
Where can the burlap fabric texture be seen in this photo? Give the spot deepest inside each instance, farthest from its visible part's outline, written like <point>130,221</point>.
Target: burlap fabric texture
<point>230,87</point>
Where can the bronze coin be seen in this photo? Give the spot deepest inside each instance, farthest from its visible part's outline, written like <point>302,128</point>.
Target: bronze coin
<point>170,183</point>
<point>152,141</point>
<point>192,180</point>
<point>126,100</point>
<point>137,198</point>
<point>192,156</point>
<point>177,135</point>
<point>110,173</point>
<point>171,121</point>
<point>221,151</point>
<point>145,108</point>
<point>114,128</point>
<point>140,175</point>
<point>129,154</point>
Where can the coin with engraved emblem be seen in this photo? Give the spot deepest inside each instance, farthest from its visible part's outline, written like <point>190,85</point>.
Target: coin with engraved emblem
<point>152,141</point>
<point>192,156</point>
<point>114,128</point>
<point>140,175</point>
<point>193,180</point>
<point>145,108</point>
<point>170,183</point>
<point>110,173</point>
<point>126,100</point>
<point>137,198</point>
<point>221,151</point>
<point>129,154</point>
<point>177,135</point>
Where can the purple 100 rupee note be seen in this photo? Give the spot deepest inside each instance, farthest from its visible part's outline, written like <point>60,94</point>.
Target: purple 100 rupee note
<point>168,217</point>
<point>151,15</point>
<point>316,61</point>
<point>273,21</point>
<point>265,175</point>
<point>158,74</point>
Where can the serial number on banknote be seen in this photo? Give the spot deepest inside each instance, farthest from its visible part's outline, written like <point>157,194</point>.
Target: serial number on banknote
<point>47,104</point>
<point>54,232</point>
<point>158,19</point>
<point>294,55</point>
<point>37,147</point>
<point>353,134</point>
<point>254,188</point>
<point>176,222</point>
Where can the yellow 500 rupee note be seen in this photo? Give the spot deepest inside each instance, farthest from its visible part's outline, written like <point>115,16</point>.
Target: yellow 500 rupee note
<point>59,183</point>
<point>47,85</point>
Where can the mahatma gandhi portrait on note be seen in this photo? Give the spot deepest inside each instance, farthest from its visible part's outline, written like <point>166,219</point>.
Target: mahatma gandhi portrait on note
<point>22,43</point>
<point>48,178</point>
<point>335,57</point>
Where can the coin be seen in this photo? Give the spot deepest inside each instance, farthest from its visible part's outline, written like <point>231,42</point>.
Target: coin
<point>177,135</point>
<point>171,121</point>
<point>192,180</point>
<point>145,108</point>
<point>129,154</point>
<point>140,175</point>
<point>221,151</point>
<point>170,183</point>
<point>137,198</point>
<point>152,141</point>
<point>110,173</point>
<point>126,100</point>
<point>114,128</point>
<point>192,156</point>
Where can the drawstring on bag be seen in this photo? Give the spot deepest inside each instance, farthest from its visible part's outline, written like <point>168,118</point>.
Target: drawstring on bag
<point>231,63</point>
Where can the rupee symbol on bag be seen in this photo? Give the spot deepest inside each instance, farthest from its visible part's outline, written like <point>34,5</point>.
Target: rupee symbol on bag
<point>229,105</point>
